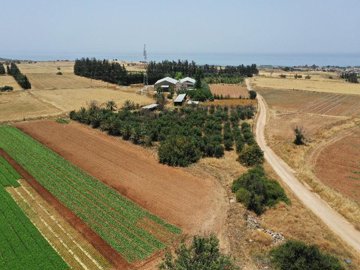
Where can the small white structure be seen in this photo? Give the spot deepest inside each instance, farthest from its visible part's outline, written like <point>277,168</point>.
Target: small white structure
<point>179,100</point>
<point>193,102</point>
<point>188,82</point>
<point>166,83</point>
<point>150,107</point>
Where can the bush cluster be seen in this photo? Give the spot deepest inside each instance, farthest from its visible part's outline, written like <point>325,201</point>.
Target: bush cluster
<point>295,255</point>
<point>256,191</point>
<point>6,88</point>
<point>350,77</point>
<point>184,134</point>
<point>21,79</point>
<point>203,254</point>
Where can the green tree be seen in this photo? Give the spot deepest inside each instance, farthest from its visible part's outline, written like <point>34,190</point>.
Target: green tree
<point>295,255</point>
<point>299,136</point>
<point>178,151</point>
<point>251,155</point>
<point>203,254</point>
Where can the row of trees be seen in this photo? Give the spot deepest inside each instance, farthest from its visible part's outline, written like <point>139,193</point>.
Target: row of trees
<point>213,73</point>
<point>350,77</point>
<point>2,69</point>
<point>21,79</point>
<point>185,135</point>
<point>104,70</point>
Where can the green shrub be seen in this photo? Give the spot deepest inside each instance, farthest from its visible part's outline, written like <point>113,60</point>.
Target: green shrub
<point>295,255</point>
<point>252,94</point>
<point>257,192</point>
<point>61,120</point>
<point>203,254</point>
<point>251,155</point>
<point>6,88</point>
<point>178,151</point>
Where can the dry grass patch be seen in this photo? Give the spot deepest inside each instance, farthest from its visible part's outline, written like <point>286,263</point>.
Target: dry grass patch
<point>324,85</point>
<point>21,105</point>
<point>47,67</point>
<point>9,81</point>
<point>73,99</point>
<point>230,90</point>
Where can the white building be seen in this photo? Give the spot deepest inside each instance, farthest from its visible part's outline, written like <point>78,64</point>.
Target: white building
<point>188,82</point>
<point>166,83</point>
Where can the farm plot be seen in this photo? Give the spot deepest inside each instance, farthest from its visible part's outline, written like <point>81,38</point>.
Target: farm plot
<point>311,102</point>
<point>9,81</point>
<point>49,81</point>
<point>229,90</point>
<point>21,105</point>
<point>136,173</point>
<point>21,244</point>
<point>338,165</point>
<point>71,245</point>
<point>113,217</point>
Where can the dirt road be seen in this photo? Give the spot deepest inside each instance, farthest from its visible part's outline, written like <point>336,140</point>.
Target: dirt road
<point>337,223</point>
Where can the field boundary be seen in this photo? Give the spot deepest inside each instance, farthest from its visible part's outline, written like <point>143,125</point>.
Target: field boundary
<point>105,249</point>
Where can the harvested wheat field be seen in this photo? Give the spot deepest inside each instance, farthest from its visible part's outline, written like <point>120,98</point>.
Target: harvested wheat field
<point>196,204</point>
<point>48,81</point>
<point>230,90</point>
<point>22,105</point>
<point>47,67</point>
<point>327,86</point>
<point>285,101</point>
<point>9,81</point>
<point>73,99</point>
<point>338,164</point>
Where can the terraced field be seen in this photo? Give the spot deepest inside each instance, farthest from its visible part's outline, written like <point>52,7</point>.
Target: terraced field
<point>21,244</point>
<point>117,220</point>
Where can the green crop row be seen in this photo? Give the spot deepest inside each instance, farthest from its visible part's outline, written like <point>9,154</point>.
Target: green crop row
<point>21,244</point>
<point>112,216</point>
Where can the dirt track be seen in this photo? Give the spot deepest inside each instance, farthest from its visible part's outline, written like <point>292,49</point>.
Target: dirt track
<point>337,223</point>
<point>196,204</point>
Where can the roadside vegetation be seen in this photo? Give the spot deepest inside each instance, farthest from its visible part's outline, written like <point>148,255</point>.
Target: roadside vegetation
<point>257,192</point>
<point>20,78</point>
<point>184,135</point>
<point>203,254</point>
<point>295,255</point>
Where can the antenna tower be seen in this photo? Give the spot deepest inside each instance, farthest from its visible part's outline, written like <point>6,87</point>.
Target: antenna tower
<point>146,82</point>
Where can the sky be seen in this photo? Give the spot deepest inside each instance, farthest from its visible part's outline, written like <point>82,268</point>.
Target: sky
<point>34,27</point>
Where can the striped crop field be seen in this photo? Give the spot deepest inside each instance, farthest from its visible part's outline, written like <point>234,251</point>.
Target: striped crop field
<point>129,229</point>
<point>21,244</point>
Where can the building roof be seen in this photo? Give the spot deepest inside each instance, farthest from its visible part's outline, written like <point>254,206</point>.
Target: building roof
<point>167,79</point>
<point>188,79</point>
<point>150,107</point>
<point>180,98</point>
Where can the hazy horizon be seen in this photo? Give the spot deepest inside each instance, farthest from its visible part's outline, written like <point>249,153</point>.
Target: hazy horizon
<point>37,29</point>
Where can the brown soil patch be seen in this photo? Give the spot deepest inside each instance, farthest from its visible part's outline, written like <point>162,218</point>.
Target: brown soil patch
<point>230,102</point>
<point>105,249</point>
<point>230,90</point>
<point>195,204</point>
<point>338,165</point>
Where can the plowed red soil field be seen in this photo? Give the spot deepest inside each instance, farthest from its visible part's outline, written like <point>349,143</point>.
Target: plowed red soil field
<point>231,90</point>
<point>338,165</point>
<point>197,204</point>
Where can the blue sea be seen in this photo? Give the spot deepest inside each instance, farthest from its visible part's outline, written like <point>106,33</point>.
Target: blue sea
<point>209,58</point>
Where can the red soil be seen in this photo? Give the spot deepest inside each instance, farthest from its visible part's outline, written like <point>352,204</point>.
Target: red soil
<point>195,204</point>
<point>338,165</point>
<point>230,90</point>
<point>105,249</point>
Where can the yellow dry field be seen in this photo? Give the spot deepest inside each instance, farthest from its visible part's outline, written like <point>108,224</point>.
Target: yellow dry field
<point>47,67</point>
<point>314,84</point>
<point>53,94</point>
<point>9,81</point>
<point>22,105</point>
<point>51,81</point>
<point>73,99</point>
